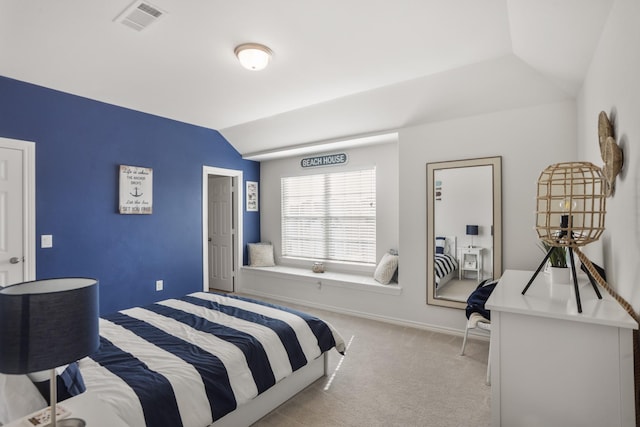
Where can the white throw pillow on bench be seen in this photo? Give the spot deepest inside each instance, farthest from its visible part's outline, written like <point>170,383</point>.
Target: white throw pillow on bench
<point>386,268</point>
<point>261,255</point>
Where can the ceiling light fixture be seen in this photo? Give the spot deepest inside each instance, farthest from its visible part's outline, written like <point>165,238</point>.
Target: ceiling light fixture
<point>253,56</point>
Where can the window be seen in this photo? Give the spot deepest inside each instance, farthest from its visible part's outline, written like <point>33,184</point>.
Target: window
<point>330,216</point>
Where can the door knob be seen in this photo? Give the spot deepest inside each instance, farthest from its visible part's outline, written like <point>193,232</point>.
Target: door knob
<point>14,260</point>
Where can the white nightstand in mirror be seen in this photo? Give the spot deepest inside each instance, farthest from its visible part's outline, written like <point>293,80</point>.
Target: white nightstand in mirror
<point>470,260</point>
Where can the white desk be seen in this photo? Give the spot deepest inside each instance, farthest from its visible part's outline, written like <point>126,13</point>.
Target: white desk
<point>552,366</point>
<point>86,406</point>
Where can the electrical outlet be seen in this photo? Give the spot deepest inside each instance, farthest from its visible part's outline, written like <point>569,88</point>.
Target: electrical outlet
<point>159,285</point>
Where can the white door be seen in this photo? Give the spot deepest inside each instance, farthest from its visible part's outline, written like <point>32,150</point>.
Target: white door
<point>221,233</point>
<point>15,156</point>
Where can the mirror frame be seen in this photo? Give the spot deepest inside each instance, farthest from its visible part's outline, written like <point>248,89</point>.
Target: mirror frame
<point>496,164</point>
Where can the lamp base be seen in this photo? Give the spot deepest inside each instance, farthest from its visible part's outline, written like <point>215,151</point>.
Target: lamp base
<point>70,422</point>
<point>575,278</point>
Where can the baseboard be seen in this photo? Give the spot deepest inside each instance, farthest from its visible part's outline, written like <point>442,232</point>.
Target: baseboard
<point>365,315</point>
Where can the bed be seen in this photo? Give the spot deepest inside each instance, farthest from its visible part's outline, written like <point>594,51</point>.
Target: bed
<point>205,359</point>
<point>445,263</point>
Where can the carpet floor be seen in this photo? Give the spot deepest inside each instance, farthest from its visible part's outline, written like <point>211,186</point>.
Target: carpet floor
<point>392,376</point>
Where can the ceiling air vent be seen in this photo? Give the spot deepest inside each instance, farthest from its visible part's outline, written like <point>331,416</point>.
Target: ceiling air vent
<point>139,15</point>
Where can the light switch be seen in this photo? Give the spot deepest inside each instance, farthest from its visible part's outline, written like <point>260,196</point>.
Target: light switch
<point>46,241</point>
<point>159,285</point>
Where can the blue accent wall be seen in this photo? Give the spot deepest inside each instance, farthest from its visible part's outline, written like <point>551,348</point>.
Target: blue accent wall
<point>80,144</point>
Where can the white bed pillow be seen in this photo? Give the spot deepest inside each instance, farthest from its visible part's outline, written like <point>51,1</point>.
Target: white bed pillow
<point>385,268</point>
<point>18,397</point>
<point>261,255</point>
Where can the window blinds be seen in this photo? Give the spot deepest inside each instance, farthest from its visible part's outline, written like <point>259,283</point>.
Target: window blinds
<point>330,216</point>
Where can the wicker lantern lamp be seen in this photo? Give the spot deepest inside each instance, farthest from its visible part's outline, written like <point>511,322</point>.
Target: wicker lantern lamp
<point>570,212</point>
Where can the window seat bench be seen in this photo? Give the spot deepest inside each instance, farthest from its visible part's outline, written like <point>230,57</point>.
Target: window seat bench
<point>364,282</point>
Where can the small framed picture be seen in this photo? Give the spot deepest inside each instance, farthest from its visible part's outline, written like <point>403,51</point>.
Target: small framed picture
<point>252,196</point>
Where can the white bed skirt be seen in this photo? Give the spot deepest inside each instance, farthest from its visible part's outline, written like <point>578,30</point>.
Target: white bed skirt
<point>266,402</point>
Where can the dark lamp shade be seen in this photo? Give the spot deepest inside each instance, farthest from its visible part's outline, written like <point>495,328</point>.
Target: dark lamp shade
<point>472,230</point>
<point>47,323</point>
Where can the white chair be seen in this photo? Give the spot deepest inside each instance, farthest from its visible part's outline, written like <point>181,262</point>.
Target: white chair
<point>477,321</point>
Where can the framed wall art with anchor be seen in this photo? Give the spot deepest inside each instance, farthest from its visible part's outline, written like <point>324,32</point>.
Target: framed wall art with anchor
<point>136,190</point>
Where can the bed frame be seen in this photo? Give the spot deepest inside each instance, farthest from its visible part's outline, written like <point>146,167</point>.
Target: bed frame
<point>266,402</point>
<point>446,279</point>
<point>450,248</point>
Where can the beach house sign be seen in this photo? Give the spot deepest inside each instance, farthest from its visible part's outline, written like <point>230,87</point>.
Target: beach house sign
<point>326,160</point>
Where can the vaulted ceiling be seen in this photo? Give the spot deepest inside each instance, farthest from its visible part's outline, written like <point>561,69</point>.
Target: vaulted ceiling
<point>340,67</point>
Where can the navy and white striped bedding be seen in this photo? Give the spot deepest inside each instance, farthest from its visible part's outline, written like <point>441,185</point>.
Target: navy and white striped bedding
<point>190,361</point>
<point>444,264</point>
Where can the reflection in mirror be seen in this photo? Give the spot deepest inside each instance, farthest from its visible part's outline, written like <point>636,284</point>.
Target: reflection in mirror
<point>464,228</point>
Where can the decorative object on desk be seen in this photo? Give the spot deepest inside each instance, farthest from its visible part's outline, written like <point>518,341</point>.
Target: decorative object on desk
<point>560,275</point>
<point>610,151</point>
<point>558,268</point>
<point>317,267</point>
<point>557,256</point>
<point>472,230</point>
<point>46,324</point>
<point>136,190</point>
<point>252,196</point>
<point>570,212</point>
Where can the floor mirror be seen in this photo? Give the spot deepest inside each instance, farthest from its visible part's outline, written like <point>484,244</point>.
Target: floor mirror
<point>464,228</point>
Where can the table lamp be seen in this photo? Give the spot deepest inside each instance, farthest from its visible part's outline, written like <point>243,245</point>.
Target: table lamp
<point>570,212</point>
<point>46,324</point>
<point>472,230</point>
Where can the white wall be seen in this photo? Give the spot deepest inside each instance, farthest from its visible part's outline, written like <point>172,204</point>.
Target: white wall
<point>527,139</point>
<point>612,85</point>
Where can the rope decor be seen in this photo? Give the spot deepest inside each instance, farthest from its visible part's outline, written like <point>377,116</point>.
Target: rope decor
<point>570,204</point>
<point>594,273</point>
<point>629,309</point>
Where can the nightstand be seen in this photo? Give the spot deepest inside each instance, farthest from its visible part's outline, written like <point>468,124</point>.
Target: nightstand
<point>470,259</point>
<point>87,406</point>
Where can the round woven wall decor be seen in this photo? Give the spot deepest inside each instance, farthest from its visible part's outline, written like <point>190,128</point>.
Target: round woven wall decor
<point>605,130</point>
<point>570,204</point>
